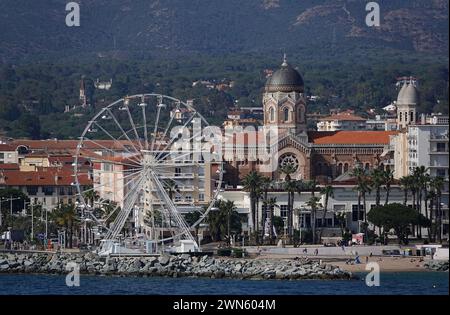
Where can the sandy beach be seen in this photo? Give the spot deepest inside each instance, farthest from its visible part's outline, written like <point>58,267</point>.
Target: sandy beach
<point>392,264</point>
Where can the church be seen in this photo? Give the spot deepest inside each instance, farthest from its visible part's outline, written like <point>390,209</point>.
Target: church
<point>320,155</point>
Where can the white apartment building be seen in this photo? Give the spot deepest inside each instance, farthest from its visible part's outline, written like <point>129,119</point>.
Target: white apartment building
<point>8,154</point>
<point>344,199</point>
<point>341,121</point>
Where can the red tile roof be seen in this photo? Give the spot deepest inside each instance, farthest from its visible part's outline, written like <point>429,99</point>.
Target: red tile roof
<point>52,145</point>
<point>47,177</point>
<point>350,137</point>
<point>6,147</point>
<point>9,166</point>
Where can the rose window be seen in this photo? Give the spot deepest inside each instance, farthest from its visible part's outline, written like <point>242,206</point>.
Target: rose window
<point>289,159</point>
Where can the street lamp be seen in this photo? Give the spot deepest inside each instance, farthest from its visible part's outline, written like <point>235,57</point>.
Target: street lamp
<point>32,216</point>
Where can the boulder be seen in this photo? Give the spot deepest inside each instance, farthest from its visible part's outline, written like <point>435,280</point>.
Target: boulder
<point>164,260</point>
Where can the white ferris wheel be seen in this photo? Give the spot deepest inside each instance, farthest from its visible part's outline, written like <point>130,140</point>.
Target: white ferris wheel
<point>153,161</point>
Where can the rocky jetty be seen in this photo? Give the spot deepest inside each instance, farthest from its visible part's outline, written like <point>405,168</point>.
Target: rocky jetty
<point>170,266</point>
<point>437,265</point>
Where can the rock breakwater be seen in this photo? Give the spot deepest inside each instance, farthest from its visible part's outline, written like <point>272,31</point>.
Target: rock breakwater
<point>171,266</point>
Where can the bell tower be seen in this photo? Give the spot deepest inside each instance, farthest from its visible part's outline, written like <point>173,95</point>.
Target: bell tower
<point>407,101</point>
<point>284,102</point>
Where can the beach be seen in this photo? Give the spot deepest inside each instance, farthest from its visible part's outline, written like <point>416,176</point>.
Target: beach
<point>386,263</point>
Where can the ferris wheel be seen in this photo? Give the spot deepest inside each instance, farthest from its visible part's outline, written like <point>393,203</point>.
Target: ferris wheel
<point>153,159</point>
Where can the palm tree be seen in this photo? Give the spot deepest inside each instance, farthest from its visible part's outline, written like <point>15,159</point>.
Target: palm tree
<point>328,192</point>
<point>270,204</point>
<point>66,216</point>
<point>92,196</point>
<point>251,183</point>
<point>405,182</point>
<point>341,217</point>
<point>388,179</point>
<point>224,221</point>
<point>377,180</point>
<point>266,184</point>
<point>363,187</point>
<point>420,180</point>
<point>171,187</point>
<point>438,185</point>
<point>290,187</point>
<point>313,203</point>
<point>432,198</point>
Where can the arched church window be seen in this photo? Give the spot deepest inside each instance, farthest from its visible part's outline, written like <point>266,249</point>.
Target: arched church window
<point>401,116</point>
<point>406,116</point>
<point>340,168</point>
<point>272,114</point>
<point>411,116</point>
<point>346,167</point>
<point>367,166</point>
<point>286,114</point>
<point>300,114</point>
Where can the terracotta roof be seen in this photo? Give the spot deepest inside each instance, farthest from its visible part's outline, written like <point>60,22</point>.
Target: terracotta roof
<point>47,177</point>
<point>7,147</point>
<point>350,137</point>
<point>50,145</point>
<point>343,117</point>
<point>9,166</point>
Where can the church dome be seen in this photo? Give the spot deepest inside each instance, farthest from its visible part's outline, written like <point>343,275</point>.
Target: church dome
<point>408,95</point>
<point>286,79</point>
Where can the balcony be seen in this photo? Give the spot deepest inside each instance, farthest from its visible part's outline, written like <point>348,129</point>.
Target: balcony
<point>437,152</point>
<point>178,175</point>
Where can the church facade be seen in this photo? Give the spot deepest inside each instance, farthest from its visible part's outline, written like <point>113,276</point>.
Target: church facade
<point>320,155</point>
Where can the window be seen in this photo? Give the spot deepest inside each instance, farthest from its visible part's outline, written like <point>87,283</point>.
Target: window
<point>340,168</point>
<point>177,198</point>
<point>32,190</point>
<point>272,114</point>
<point>440,172</point>
<point>177,171</point>
<point>283,211</point>
<point>411,116</point>
<point>201,197</point>
<point>286,114</point>
<point>355,213</point>
<point>107,167</point>
<point>48,190</point>
<point>188,198</point>
<point>440,147</point>
<point>367,166</point>
<point>61,191</point>
<point>346,167</point>
<point>401,116</point>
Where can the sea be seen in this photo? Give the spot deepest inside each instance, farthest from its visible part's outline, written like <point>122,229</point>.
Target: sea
<point>391,283</point>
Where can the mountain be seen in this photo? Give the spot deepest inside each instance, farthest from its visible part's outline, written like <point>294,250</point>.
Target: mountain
<point>36,30</point>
